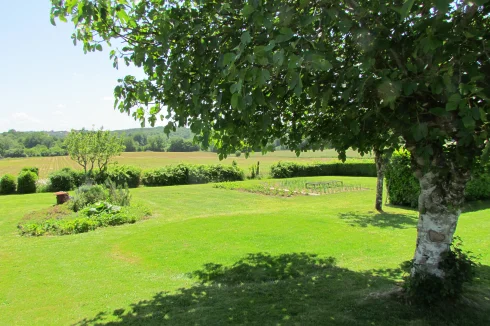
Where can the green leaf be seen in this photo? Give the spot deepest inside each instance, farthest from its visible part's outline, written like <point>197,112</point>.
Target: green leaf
<point>468,121</point>
<point>407,6</point>
<point>440,112</point>
<point>98,47</point>
<point>228,58</point>
<point>264,77</point>
<point>453,102</point>
<point>318,62</point>
<point>278,58</point>
<point>234,100</point>
<point>420,131</point>
<point>443,5</point>
<point>245,38</point>
<point>285,35</point>
<point>247,10</point>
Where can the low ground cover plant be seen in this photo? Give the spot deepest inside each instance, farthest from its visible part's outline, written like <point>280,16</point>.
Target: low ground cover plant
<point>92,207</point>
<point>291,187</point>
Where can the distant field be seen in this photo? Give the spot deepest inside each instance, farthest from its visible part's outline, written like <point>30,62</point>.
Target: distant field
<point>149,160</point>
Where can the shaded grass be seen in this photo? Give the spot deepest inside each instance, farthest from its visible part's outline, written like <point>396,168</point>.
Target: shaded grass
<point>64,280</point>
<point>290,289</point>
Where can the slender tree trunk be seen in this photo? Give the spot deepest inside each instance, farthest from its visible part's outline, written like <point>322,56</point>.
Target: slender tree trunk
<point>378,159</point>
<point>440,202</point>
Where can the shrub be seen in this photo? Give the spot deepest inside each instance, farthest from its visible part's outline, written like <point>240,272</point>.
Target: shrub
<point>403,187</point>
<point>459,268</point>
<point>87,195</point>
<point>61,181</point>
<point>26,182</point>
<point>122,175</point>
<point>238,153</point>
<point>291,169</point>
<point>191,174</point>
<point>78,176</point>
<point>118,195</point>
<point>31,169</point>
<point>7,184</point>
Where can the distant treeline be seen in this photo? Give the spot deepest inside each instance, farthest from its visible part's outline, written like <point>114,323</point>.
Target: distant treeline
<point>51,143</point>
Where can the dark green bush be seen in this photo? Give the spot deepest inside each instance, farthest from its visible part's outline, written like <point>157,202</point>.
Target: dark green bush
<point>87,195</point>
<point>459,268</point>
<point>291,169</point>
<point>32,169</point>
<point>26,182</point>
<point>404,188</point>
<point>61,180</point>
<point>122,175</point>
<point>191,174</point>
<point>7,184</point>
<point>77,175</point>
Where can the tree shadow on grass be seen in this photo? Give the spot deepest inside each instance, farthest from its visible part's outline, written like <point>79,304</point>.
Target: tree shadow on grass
<point>477,205</point>
<point>288,289</point>
<point>381,220</point>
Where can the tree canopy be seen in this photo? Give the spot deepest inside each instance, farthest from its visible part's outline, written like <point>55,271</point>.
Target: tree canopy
<point>355,73</point>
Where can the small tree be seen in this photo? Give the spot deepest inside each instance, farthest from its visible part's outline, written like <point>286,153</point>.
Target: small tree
<point>93,149</point>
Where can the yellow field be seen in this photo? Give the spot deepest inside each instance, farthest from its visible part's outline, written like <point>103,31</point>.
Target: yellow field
<point>149,160</point>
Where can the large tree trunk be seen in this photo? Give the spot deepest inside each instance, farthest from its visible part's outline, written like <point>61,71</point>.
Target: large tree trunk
<point>440,202</point>
<point>378,159</point>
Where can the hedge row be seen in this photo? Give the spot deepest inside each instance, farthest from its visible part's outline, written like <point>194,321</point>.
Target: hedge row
<point>191,174</point>
<point>404,188</point>
<point>24,184</point>
<point>291,169</point>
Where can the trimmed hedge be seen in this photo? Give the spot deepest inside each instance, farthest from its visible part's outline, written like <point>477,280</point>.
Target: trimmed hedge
<point>26,182</point>
<point>7,184</point>
<point>191,174</point>
<point>61,181</point>
<point>404,188</point>
<point>122,175</point>
<point>291,169</point>
<point>31,169</point>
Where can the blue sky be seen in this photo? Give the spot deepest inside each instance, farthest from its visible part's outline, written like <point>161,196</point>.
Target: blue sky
<point>47,83</point>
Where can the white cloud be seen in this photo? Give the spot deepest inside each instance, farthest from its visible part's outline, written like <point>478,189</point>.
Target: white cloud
<point>58,113</point>
<point>61,106</point>
<point>24,117</point>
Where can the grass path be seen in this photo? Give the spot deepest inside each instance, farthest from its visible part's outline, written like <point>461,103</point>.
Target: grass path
<point>69,279</point>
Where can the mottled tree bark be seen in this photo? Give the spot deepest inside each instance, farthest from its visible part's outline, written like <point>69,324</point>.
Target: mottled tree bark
<point>378,159</point>
<point>440,203</point>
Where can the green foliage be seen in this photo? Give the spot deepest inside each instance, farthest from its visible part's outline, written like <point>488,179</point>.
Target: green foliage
<point>26,182</point>
<point>458,267</point>
<point>191,174</point>
<point>29,144</point>
<point>93,149</point>
<point>7,184</point>
<point>32,169</point>
<point>122,175</point>
<point>87,195</point>
<point>403,187</point>
<point>100,214</point>
<point>61,180</point>
<point>181,145</point>
<point>238,153</point>
<point>291,169</point>
<point>117,194</point>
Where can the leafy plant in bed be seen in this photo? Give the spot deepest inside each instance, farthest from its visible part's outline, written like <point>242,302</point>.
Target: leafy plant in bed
<point>70,219</point>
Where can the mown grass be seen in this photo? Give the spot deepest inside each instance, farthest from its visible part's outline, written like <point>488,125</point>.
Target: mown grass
<point>141,273</point>
<point>150,160</point>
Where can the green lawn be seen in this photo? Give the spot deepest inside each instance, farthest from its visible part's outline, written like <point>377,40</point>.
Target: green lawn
<point>140,273</point>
